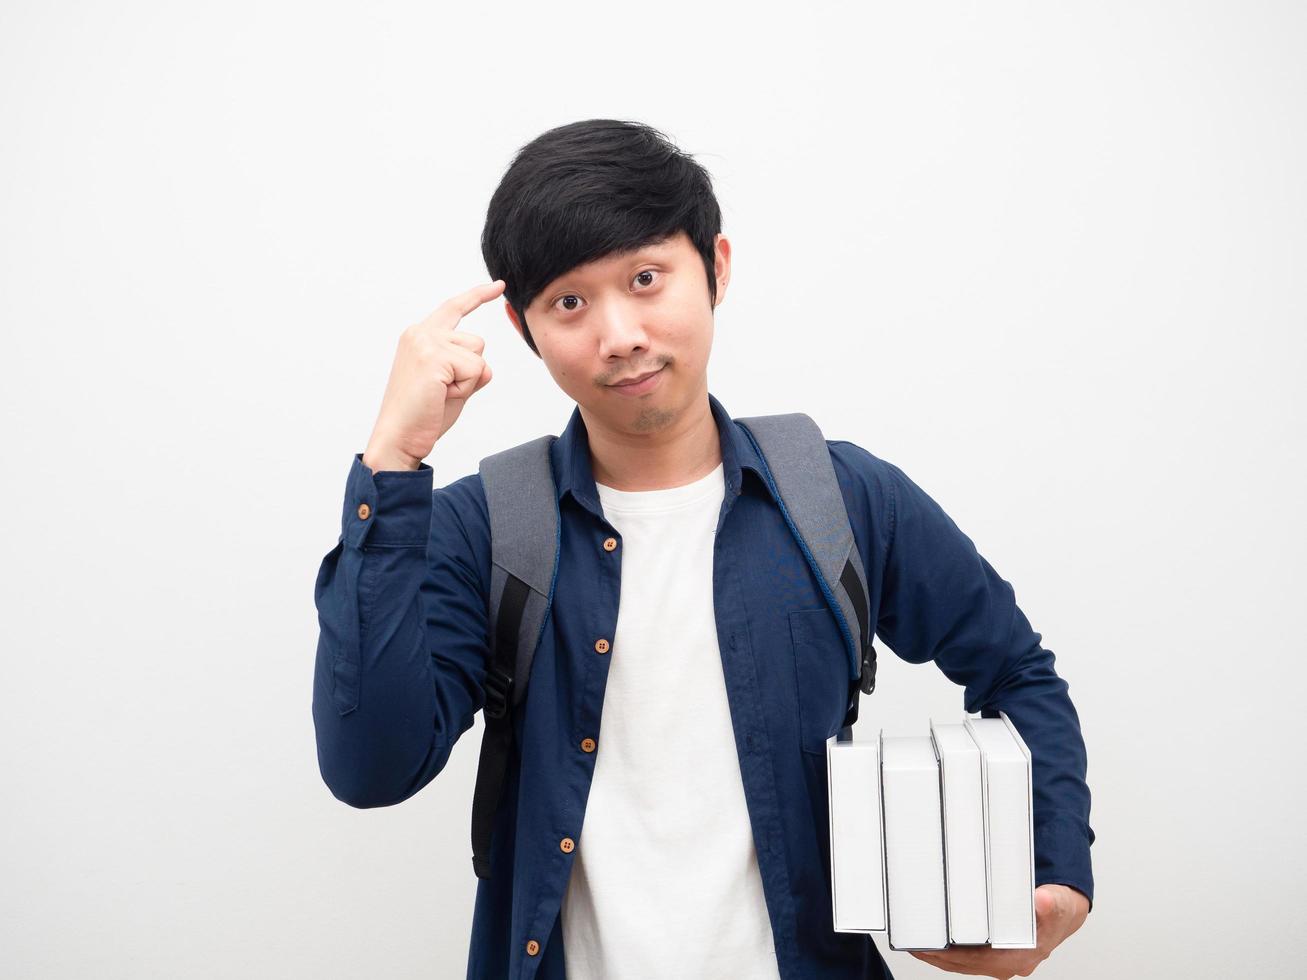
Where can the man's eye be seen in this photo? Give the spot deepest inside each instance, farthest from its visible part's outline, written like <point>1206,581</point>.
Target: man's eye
<point>569,309</point>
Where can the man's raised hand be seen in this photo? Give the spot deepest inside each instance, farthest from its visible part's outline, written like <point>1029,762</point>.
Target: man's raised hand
<point>436,369</point>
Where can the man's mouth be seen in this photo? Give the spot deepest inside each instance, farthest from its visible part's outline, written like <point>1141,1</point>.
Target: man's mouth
<point>639,384</point>
<point>637,379</point>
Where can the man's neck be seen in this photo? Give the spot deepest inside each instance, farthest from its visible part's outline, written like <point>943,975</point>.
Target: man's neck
<point>686,449</point>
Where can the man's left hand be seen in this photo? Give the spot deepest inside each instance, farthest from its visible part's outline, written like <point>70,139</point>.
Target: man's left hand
<point>1059,911</point>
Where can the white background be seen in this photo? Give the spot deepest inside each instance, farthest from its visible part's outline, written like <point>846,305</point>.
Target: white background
<point>1047,258</point>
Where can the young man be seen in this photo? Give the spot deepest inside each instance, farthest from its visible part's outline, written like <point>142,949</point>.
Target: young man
<point>664,812</point>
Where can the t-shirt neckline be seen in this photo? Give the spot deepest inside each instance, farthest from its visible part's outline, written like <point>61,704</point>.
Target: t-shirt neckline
<point>664,498</point>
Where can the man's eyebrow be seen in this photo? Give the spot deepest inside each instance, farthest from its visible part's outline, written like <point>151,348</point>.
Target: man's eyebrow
<point>658,245</point>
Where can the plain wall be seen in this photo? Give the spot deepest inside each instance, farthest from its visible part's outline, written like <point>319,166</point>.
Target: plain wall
<point>1046,258</point>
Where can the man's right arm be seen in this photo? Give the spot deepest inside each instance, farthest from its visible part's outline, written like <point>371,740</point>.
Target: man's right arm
<point>403,635</point>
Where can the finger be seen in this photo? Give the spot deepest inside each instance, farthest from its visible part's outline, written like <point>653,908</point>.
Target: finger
<point>471,341</point>
<point>465,302</point>
<point>943,956</point>
<point>980,958</point>
<point>950,967</point>
<point>484,380</point>
<point>468,370</point>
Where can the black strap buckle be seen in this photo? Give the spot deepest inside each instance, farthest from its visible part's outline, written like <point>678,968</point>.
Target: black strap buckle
<point>869,669</point>
<point>499,692</point>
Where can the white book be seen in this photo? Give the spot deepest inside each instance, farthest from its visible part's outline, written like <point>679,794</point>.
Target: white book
<point>857,861</point>
<point>914,843</point>
<point>964,834</point>
<point>1009,831</point>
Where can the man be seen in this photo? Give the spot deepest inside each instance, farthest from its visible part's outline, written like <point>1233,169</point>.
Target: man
<point>664,813</point>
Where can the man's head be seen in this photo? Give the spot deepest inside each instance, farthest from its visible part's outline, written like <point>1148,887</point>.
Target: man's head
<point>608,239</point>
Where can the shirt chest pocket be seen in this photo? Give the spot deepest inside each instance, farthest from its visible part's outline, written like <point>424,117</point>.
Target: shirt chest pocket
<point>821,665</point>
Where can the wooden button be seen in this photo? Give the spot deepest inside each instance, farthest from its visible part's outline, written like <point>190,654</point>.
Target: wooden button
<point>587,745</point>
<point>567,845</point>
<point>364,511</point>
<point>601,645</point>
<point>532,947</point>
<point>610,544</point>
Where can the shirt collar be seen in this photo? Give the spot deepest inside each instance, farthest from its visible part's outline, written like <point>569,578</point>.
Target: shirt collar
<point>573,470</point>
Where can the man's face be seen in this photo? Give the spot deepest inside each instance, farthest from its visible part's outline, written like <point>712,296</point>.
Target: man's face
<point>624,316</point>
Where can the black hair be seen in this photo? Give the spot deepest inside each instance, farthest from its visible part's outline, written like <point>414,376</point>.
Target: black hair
<point>590,189</point>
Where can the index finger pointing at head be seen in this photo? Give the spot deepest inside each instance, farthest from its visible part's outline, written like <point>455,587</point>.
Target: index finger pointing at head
<point>464,303</point>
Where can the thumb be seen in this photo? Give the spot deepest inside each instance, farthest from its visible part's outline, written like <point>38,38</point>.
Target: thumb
<point>1046,904</point>
<point>462,389</point>
<point>483,380</point>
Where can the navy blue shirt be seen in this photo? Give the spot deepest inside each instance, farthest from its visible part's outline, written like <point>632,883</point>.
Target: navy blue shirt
<point>402,608</point>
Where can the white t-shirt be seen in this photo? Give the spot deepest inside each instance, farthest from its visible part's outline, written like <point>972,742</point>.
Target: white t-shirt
<point>665,879</point>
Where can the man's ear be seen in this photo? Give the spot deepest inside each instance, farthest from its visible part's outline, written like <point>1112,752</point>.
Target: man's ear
<point>512,318</point>
<point>722,267</point>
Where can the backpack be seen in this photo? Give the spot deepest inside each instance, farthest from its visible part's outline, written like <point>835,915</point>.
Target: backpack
<point>525,534</point>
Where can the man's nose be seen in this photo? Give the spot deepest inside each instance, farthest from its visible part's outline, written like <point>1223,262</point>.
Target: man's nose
<point>622,331</point>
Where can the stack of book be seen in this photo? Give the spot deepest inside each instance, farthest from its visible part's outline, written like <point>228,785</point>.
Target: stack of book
<point>932,836</point>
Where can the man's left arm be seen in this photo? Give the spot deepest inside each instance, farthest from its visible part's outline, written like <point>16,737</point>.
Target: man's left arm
<point>941,600</point>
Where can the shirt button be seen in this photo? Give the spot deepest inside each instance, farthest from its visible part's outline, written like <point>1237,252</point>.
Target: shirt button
<point>610,544</point>
<point>601,645</point>
<point>364,512</point>
<point>532,947</point>
<point>587,745</point>
<point>567,845</point>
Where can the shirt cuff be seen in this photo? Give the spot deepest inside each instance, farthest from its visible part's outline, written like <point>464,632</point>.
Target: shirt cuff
<point>390,509</point>
<point>1062,855</point>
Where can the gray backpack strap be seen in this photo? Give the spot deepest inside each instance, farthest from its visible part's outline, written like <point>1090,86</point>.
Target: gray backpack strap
<point>800,470</point>
<point>524,542</point>
<point>524,539</point>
